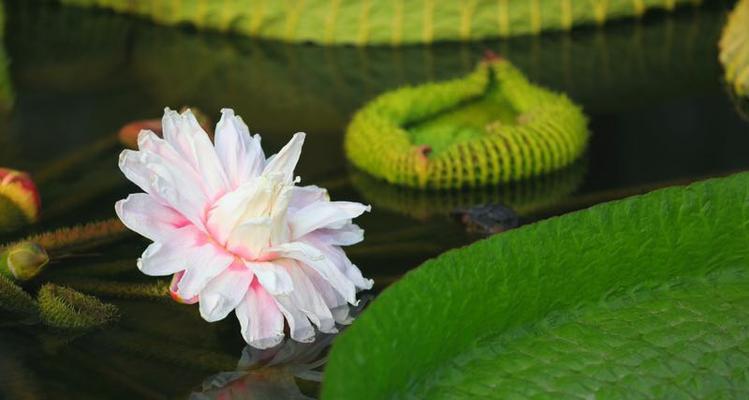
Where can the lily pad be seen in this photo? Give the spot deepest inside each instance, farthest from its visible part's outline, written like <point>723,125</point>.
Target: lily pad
<point>383,22</point>
<point>490,127</point>
<point>640,297</point>
<point>734,48</point>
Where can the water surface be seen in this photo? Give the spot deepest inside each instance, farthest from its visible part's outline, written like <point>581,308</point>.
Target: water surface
<point>659,114</point>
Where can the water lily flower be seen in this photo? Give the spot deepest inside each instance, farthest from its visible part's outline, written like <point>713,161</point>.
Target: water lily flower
<point>19,200</point>
<point>237,233</point>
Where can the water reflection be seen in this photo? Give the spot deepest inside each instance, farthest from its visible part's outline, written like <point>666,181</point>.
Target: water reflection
<point>291,370</point>
<point>270,374</point>
<point>524,197</point>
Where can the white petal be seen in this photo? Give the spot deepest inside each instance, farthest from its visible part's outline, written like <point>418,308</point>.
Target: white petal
<point>203,264</point>
<point>274,278</point>
<point>331,215</point>
<point>162,259</point>
<point>299,326</point>
<point>316,260</point>
<point>331,297</point>
<point>239,153</point>
<point>143,214</point>
<point>251,204</point>
<point>352,272</point>
<point>251,238</point>
<point>303,196</point>
<point>260,318</point>
<point>224,292</point>
<point>348,235</point>
<point>229,211</point>
<point>285,161</point>
<point>169,183</point>
<point>186,135</point>
<point>306,298</point>
<point>338,257</point>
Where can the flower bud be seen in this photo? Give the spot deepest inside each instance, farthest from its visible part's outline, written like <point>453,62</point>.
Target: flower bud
<point>23,261</point>
<point>65,308</point>
<point>19,200</point>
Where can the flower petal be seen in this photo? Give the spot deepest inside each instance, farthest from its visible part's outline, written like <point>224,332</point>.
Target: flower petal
<point>224,292</point>
<point>306,298</point>
<point>239,153</point>
<point>230,210</point>
<point>347,235</point>
<point>273,277</point>
<point>143,214</point>
<point>260,318</point>
<point>332,215</point>
<point>331,297</point>
<point>162,259</point>
<point>263,201</point>
<point>251,238</point>
<point>338,257</point>
<point>285,161</point>
<point>316,260</point>
<point>169,183</point>
<point>203,264</point>
<point>300,327</point>
<point>303,196</point>
<point>186,135</point>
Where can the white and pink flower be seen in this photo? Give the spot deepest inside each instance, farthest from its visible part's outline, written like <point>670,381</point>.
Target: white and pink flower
<point>236,232</point>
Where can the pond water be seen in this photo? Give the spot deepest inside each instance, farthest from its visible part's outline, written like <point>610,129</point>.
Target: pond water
<point>659,114</point>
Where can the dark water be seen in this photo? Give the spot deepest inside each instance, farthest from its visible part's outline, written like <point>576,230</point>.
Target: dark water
<point>658,111</point>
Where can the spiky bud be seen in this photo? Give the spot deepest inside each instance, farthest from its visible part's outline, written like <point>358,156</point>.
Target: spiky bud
<point>65,308</point>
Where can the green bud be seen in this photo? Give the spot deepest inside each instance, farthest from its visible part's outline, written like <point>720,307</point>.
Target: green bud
<point>23,261</point>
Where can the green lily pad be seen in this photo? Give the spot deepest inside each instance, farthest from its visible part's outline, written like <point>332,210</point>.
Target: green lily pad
<point>643,297</point>
<point>383,22</point>
<point>734,48</point>
<point>492,126</point>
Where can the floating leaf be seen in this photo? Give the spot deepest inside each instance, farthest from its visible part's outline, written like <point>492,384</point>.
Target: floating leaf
<point>734,48</point>
<point>65,308</point>
<point>492,126</point>
<point>394,23</point>
<point>645,296</point>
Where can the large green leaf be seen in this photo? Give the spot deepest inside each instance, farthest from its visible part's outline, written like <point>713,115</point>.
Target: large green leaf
<point>382,22</point>
<point>641,297</point>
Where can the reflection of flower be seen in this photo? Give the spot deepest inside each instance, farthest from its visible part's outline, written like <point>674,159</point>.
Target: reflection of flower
<point>237,233</point>
<point>271,373</point>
